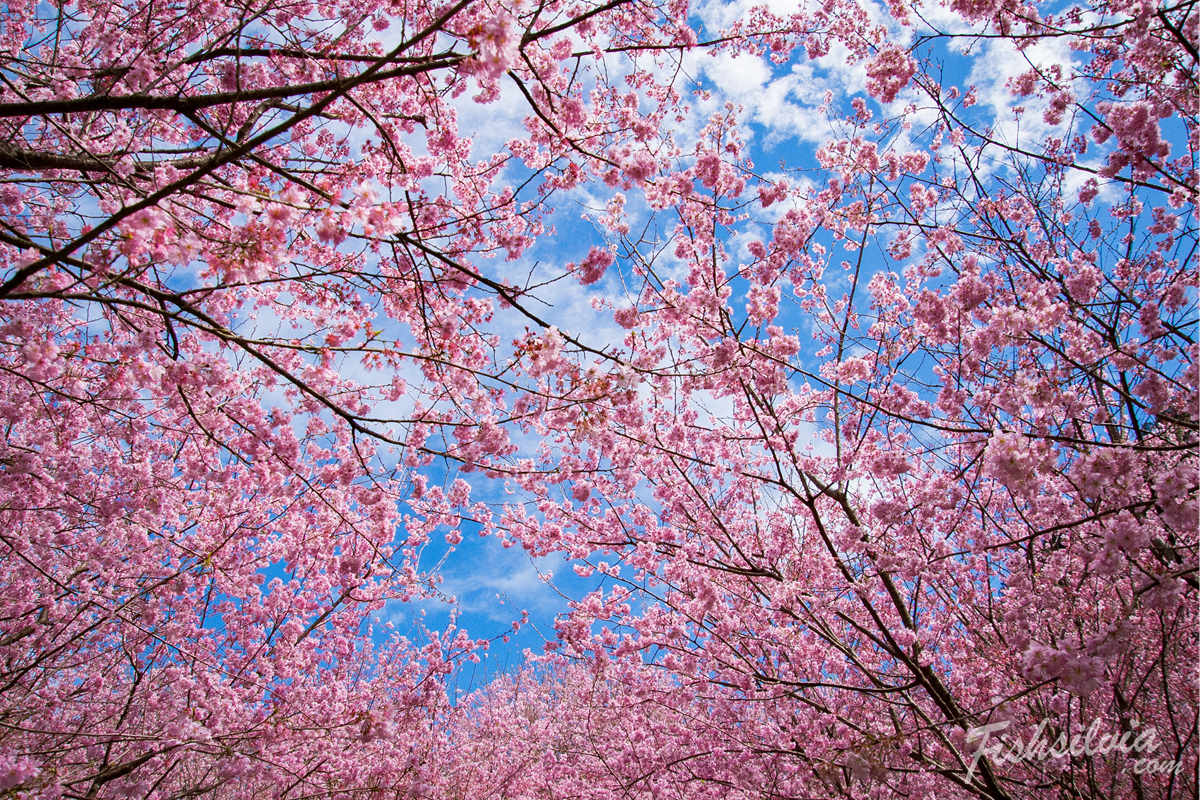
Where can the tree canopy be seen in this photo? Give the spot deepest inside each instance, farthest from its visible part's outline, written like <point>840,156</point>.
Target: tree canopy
<point>882,459</point>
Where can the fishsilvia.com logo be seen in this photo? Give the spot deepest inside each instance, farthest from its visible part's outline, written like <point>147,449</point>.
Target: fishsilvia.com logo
<point>1138,745</point>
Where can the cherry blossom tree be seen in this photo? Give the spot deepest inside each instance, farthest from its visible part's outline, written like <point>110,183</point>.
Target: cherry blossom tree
<point>572,731</point>
<point>229,232</point>
<point>894,465</point>
<point>960,536</point>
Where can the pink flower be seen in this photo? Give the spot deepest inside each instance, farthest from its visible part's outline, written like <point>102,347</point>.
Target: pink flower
<point>495,42</point>
<point>762,303</point>
<point>854,369</point>
<point>1083,282</point>
<point>15,770</point>
<point>888,73</point>
<point>594,266</point>
<point>1010,460</point>
<point>1089,190</point>
<point>626,317</point>
<point>1136,127</point>
<point>772,193</point>
<point>708,169</point>
<point>561,49</point>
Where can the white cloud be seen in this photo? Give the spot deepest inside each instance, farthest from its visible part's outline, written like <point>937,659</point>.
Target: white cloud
<point>502,584</point>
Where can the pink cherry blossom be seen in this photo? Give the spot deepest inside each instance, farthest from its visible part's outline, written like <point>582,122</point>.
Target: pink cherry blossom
<point>889,72</point>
